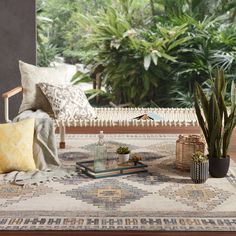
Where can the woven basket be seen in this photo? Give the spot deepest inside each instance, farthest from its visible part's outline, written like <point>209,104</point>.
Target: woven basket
<point>185,147</point>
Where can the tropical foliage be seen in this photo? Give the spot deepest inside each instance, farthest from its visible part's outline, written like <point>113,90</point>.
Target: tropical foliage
<point>150,52</point>
<point>46,51</point>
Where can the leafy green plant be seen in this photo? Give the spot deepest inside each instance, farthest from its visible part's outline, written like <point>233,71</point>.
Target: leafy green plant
<point>46,51</point>
<point>158,64</point>
<point>215,119</point>
<point>123,150</point>
<point>199,157</point>
<point>198,8</point>
<point>182,99</point>
<point>46,54</point>
<point>85,77</point>
<point>152,51</point>
<point>135,60</point>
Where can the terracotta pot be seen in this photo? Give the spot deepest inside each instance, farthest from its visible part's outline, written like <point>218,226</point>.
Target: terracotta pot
<point>218,167</point>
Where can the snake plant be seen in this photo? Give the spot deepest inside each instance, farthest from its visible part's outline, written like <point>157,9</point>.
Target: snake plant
<point>216,120</point>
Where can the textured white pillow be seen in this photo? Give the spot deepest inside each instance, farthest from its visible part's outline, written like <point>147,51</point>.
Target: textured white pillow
<point>68,102</point>
<point>31,75</point>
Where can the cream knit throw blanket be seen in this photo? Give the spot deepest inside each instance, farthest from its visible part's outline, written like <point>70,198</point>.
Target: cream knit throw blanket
<point>44,152</point>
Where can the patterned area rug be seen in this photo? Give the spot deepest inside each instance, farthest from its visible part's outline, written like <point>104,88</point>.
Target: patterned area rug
<point>164,198</point>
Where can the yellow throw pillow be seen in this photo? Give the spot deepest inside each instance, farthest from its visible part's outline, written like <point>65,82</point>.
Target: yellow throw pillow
<point>16,146</point>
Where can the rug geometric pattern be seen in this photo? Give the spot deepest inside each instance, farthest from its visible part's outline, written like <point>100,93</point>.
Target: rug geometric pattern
<point>154,179</point>
<point>72,156</point>
<point>164,198</point>
<point>202,198</point>
<point>13,194</point>
<point>107,194</point>
<point>74,180</point>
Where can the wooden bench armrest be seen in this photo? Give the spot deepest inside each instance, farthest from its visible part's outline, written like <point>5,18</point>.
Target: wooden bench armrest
<point>12,92</point>
<point>6,97</point>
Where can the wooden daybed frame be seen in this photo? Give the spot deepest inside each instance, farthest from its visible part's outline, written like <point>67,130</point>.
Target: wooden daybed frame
<point>120,120</point>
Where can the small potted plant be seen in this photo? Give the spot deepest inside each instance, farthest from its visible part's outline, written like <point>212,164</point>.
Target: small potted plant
<point>123,153</point>
<point>199,168</point>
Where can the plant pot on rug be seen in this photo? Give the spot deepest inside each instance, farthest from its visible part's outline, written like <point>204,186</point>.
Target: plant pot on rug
<point>218,167</point>
<point>123,153</point>
<point>199,168</point>
<point>217,122</point>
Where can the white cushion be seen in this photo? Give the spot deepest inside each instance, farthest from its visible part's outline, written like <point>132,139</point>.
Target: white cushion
<point>71,70</point>
<point>31,75</point>
<point>68,102</point>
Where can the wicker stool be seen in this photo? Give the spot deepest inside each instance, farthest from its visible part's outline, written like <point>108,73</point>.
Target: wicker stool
<point>185,147</point>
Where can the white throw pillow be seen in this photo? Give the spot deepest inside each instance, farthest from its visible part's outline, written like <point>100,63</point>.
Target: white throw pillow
<point>31,75</point>
<point>68,102</point>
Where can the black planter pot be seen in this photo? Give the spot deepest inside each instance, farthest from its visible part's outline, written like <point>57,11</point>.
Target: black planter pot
<point>199,172</point>
<point>218,167</point>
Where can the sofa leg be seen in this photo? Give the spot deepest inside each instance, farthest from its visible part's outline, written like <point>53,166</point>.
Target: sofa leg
<point>62,143</point>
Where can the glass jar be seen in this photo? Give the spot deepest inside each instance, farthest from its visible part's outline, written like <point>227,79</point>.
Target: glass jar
<point>100,154</point>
